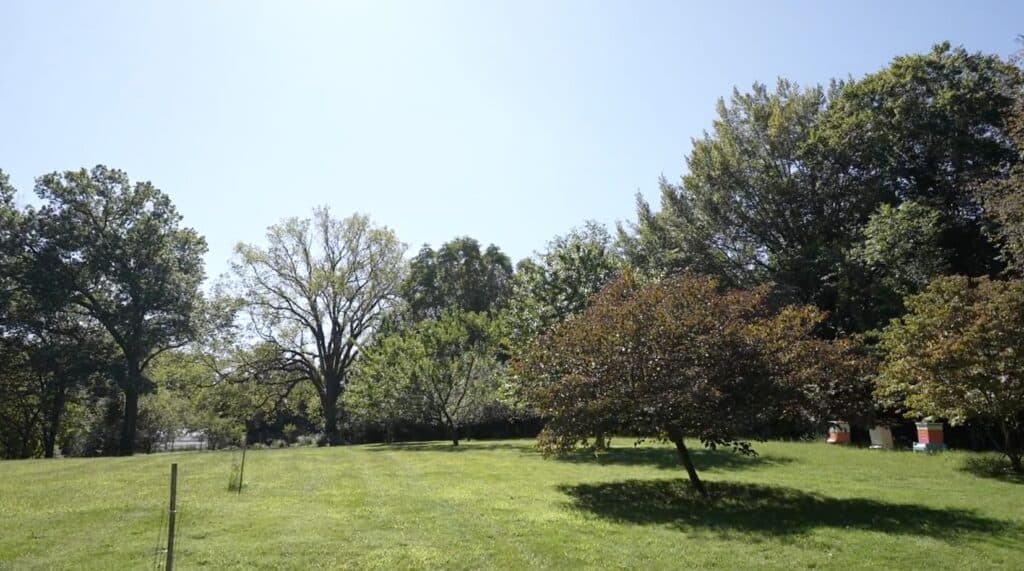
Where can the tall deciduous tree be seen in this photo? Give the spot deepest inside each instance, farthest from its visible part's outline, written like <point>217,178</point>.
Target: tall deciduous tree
<point>116,250</point>
<point>316,292</point>
<point>681,358</point>
<point>458,276</point>
<point>957,354</point>
<point>930,128</point>
<point>782,186</point>
<point>752,206</point>
<point>560,281</point>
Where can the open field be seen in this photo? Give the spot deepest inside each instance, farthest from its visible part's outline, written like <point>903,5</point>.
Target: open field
<point>499,504</point>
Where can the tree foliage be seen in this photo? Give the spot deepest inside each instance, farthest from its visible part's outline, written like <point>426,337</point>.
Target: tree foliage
<point>681,357</point>
<point>458,276</point>
<point>782,187</point>
<point>315,294</point>
<point>561,280</point>
<point>117,253</point>
<point>444,371</point>
<point>956,354</point>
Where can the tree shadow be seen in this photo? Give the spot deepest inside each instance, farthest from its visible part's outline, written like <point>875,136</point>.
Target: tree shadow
<point>475,446</point>
<point>771,510</point>
<point>994,467</point>
<point>667,459</point>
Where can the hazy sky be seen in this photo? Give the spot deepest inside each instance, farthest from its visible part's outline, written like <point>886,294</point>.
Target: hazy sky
<point>506,121</point>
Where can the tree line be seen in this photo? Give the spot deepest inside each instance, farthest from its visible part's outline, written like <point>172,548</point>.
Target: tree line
<point>844,251</point>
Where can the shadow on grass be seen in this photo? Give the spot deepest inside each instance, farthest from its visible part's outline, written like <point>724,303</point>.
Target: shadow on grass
<point>466,446</point>
<point>666,458</point>
<point>770,510</point>
<point>994,467</point>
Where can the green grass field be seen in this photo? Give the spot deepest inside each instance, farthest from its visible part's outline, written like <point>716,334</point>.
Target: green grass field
<point>500,505</point>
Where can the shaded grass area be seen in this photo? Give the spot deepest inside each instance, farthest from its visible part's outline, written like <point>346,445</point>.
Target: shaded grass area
<point>773,510</point>
<point>499,504</point>
<point>667,459</point>
<point>992,466</point>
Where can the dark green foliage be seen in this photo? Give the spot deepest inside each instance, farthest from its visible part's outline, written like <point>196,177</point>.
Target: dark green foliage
<point>561,280</point>
<point>115,251</point>
<point>783,186</point>
<point>456,277</point>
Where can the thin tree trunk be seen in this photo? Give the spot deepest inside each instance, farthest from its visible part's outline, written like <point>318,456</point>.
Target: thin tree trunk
<point>684,457</point>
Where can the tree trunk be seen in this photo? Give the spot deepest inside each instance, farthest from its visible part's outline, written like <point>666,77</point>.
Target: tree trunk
<point>389,433</point>
<point>331,432</point>
<point>53,429</point>
<point>454,431</point>
<point>599,440</point>
<point>1011,448</point>
<point>130,418</point>
<point>684,457</point>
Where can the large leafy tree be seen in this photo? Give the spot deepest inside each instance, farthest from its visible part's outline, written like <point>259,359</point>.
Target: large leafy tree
<point>116,252</point>
<point>1003,198</point>
<point>560,281</point>
<point>783,185</point>
<point>315,294</point>
<point>752,206</point>
<point>680,358</point>
<point>931,129</point>
<point>457,276</point>
<point>957,354</point>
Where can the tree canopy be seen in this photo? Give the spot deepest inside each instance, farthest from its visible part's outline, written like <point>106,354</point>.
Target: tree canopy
<point>117,253</point>
<point>457,276</point>
<point>956,355</point>
<point>315,294</point>
<point>680,357</point>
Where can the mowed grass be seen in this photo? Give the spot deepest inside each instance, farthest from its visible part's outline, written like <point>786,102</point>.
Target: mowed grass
<point>490,504</point>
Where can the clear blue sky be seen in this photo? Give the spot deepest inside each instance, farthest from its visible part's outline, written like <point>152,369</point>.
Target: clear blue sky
<point>506,121</point>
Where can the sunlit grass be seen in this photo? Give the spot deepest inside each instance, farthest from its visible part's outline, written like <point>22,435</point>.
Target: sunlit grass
<point>500,505</point>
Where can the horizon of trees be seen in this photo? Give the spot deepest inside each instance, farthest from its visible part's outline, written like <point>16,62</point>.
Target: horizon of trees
<point>848,200</point>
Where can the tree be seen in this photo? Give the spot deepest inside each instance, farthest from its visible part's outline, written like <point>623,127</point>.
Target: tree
<point>383,388</point>
<point>457,276</point>
<point>443,371</point>
<point>753,206</point>
<point>560,281</point>
<point>680,358</point>
<point>930,128</point>
<point>459,370</point>
<point>117,252</point>
<point>782,187</point>
<point>1003,197</point>
<point>315,294</point>
<point>900,250</point>
<point>956,354</point>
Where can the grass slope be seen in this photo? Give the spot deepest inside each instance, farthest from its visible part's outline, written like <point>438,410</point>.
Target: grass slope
<point>500,505</point>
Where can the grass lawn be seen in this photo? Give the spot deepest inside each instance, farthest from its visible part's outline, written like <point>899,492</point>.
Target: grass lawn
<point>491,504</point>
